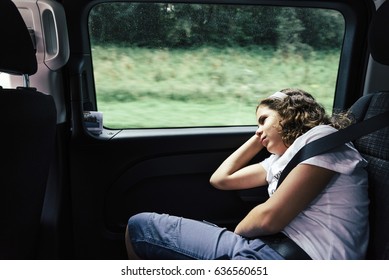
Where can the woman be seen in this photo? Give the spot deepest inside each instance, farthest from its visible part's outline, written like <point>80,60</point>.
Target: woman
<point>322,205</point>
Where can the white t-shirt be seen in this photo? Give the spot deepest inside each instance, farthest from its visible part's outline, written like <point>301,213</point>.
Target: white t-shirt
<point>335,225</point>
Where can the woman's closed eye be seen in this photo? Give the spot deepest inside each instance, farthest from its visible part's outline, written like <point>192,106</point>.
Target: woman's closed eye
<point>261,120</point>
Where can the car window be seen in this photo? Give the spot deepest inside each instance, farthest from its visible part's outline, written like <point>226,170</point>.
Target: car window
<point>194,65</point>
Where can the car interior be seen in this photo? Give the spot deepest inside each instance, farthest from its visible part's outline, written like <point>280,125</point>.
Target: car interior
<point>68,191</point>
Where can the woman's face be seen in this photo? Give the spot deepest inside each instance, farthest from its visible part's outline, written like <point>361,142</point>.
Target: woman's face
<point>269,130</point>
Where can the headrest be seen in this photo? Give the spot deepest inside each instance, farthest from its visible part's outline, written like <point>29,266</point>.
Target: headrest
<point>17,53</point>
<point>378,35</point>
<point>370,105</point>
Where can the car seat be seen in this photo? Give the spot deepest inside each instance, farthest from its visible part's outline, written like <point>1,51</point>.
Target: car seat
<point>375,146</point>
<point>28,123</point>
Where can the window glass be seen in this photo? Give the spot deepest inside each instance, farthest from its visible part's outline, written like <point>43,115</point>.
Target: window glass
<point>189,65</point>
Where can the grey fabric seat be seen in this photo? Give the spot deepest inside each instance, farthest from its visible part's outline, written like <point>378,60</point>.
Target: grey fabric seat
<point>28,123</point>
<point>375,147</point>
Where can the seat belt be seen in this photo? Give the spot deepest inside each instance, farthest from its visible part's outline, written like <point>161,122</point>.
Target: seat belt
<point>336,139</point>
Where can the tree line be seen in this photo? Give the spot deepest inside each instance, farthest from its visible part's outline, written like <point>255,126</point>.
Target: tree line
<point>191,25</point>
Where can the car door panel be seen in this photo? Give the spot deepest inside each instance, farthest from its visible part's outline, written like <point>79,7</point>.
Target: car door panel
<point>121,176</point>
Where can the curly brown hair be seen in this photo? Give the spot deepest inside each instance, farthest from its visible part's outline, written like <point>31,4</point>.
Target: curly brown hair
<point>300,112</point>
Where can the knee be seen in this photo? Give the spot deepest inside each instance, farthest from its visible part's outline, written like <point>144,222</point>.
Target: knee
<point>139,218</point>
<point>135,231</point>
<point>137,224</point>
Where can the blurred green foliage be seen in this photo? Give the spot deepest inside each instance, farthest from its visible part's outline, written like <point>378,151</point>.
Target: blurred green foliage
<point>141,87</point>
<point>193,25</point>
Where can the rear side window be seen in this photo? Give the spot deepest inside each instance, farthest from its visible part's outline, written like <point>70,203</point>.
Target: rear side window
<point>200,65</point>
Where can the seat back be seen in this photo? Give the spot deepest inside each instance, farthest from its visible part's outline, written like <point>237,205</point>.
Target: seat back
<point>375,149</point>
<point>375,146</point>
<point>28,123</point>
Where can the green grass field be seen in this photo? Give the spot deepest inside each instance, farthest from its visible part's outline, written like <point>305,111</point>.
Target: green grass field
<point>138,87</point>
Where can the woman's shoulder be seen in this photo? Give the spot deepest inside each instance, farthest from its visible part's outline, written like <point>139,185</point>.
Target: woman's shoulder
<point>320,131</point>
<point>342,159</point>
<point>314,133</point>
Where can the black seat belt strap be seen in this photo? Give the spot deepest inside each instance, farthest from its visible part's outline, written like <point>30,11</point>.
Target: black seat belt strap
<point>336,139</point>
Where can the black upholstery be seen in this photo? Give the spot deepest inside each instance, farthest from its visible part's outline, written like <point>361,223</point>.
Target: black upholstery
<point>375,147</point>
<point>16,49</point>
<point>378,35</point>
<point>28,123</point>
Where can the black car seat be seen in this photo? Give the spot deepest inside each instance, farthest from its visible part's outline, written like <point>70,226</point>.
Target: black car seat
<point>375,146</point>
<point>28,123</point>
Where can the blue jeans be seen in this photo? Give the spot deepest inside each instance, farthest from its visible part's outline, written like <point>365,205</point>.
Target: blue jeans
<point>155,236</point>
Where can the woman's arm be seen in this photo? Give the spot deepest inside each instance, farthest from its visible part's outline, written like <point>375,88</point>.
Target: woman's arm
<point>303,184</point>
<point>233,172</point>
